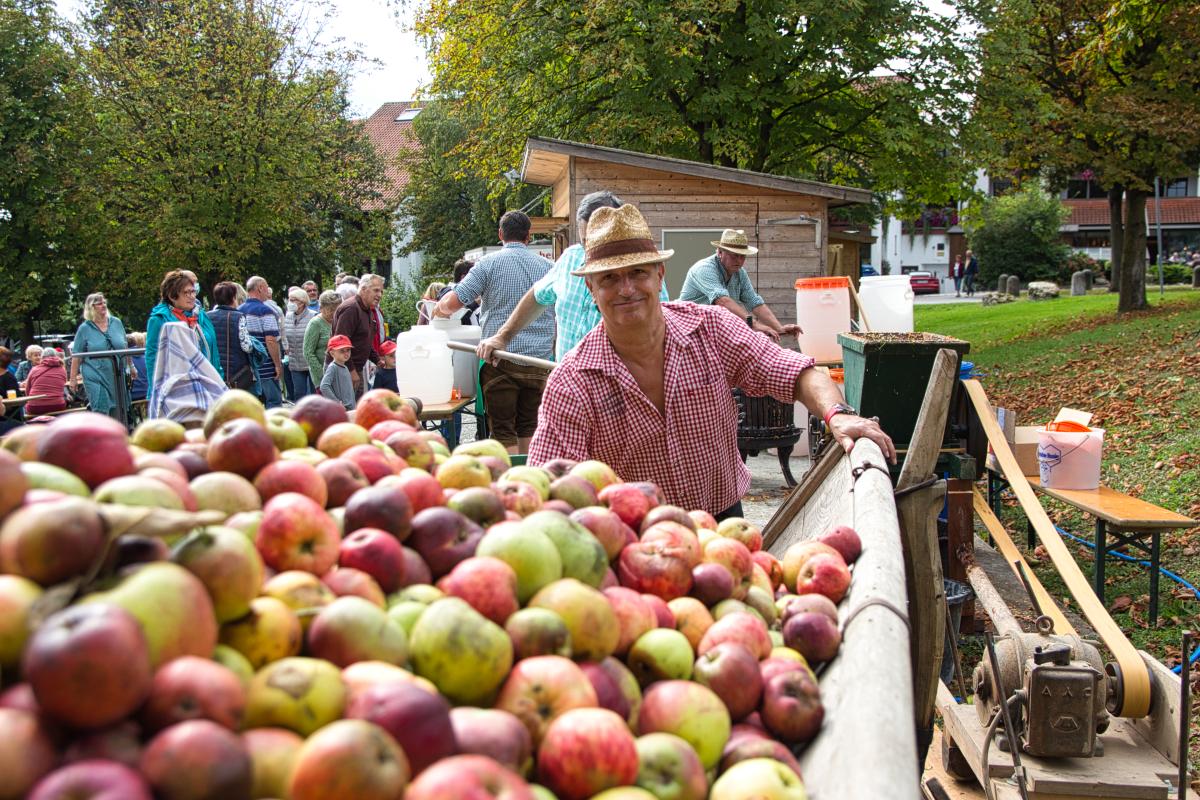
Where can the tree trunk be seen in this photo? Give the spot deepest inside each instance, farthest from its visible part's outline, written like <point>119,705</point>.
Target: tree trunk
<point>1133,255</point>
<point>1116,236</point>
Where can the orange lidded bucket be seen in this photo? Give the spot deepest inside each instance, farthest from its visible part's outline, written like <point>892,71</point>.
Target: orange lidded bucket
<point>822,312</point>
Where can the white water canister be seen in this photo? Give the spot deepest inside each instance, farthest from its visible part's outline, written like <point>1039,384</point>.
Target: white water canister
<point>466,365</point>
<point>423,366</point>
<point>887,301</point>
<point>1070,458</point>
<point>822,311</point>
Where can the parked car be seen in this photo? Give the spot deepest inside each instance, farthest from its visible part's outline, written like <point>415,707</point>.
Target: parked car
<point>867,271</point>
<point>924,283</point>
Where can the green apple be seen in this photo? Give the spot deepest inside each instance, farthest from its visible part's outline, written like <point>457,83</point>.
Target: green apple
<point>235,662</point>
<point>661,654</point>
<point>669,768</point>
<point>466,655</point>
<point>300,694</point>
<point>172,606</point>
<point>692,712</point>
<point>536,477</point>
<point>17,596</point>
<point>48,476</point>
<point>286,433</point>
<point>483,447</point>
<point>406,612</point>
<point>587,613</point>
<point>158,435</point>
<point>583,557</point>
<point>420,592</point>
<point>228,565</point>
<point>529,551</point>
<point>759,779</point>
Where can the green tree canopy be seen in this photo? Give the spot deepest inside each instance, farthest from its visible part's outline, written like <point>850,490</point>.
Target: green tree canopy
<point>1017,234</point>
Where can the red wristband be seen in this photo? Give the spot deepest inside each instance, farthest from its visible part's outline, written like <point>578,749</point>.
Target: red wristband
<point>834,410</point>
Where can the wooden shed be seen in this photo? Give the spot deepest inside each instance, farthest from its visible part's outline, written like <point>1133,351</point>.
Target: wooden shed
<point>688,204</point>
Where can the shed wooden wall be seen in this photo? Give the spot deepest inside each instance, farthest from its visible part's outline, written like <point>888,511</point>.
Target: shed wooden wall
<point>670,200</point>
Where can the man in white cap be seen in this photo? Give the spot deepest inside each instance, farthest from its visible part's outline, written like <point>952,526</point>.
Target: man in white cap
<point>721,280</point>
<point>648,390</point>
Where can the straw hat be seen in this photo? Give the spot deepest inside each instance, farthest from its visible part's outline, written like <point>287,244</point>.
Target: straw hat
<point>735,242</point>
<point>619,238</point>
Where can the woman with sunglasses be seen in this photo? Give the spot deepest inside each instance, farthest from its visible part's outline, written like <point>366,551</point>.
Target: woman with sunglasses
<point>179,294</point>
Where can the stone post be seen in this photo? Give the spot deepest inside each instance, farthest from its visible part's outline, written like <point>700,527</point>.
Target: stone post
<point>1014,286</point>
<point>1078,284</point>
<point>1090,277</point>
<point>1196,278</point>
<point>1002,284</point>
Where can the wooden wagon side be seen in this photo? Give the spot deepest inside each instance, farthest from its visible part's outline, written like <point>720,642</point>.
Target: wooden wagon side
<point>867,745</point>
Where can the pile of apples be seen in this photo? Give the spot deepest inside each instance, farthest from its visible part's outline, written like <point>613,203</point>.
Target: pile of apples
<point>377,617</point>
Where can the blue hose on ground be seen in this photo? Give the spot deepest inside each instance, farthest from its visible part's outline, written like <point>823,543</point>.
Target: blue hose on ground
<point>1163,570</point>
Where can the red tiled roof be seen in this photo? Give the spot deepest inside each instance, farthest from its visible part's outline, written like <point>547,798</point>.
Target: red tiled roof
<point>391,138</point>
<point>1175,211</point>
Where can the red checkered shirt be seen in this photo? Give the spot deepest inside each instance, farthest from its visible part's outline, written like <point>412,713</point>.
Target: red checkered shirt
<point>594,409</point>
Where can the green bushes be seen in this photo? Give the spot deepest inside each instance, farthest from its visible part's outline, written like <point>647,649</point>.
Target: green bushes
<point>1018,234</point>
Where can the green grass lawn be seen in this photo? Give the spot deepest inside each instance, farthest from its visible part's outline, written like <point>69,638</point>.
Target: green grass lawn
<point>1140,375</point>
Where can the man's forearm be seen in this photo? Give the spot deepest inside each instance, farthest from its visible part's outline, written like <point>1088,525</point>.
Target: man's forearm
<point>767,317</point>
<point>447,305</point>
<point>527,310</point>
<point>816,391</point>
<point>731,305</point>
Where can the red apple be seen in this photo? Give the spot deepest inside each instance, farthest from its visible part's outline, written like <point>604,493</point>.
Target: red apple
<point>540,689</point>
<point>94,779</point>
<point>574,490</point>
<point>742,530</point>
<point>419,720</point>
<point>443,537</point>
<point>657,568</point>
<point>342,479</point>
<point>488,584</point>
<point>711,583</point>
<point>770,667</point>
<point>690,711</point>
<point>352,629</point>
<point>585,751</point>
<point>628,501</point>
<point>415,569</point>
<point>92,446</point>
<point>732,671</point>
<point>371,460</point>
<point>824,574</point>
<point>742,628</point>
<point>350,582</point>
<point>88,665</point>
<point>493,733</point>
<point>518,497</point>
<point>350,759</point>
<point>479,504</point>
<point>195,464</point>
<point>197,759</point>
<point>795,604</point>
<point>663,616</point>
<point>557,467</point>
<point>340,437</point>
<point>634,616</point>
<point>703,519</point>
<point>225,491</point>
<point>673,532</point>
<point>296,533</point>
<point>692,618</point>
<point>28,752</point>
<point>423,489</point>
<point>606,526</point>
<point>376,553</point>
<point>736,558</point>
<point>791,706</point>
<point>668,513</point>
<point>797,554</point>
<point>383,507</point>
<point>609,693</point>
<point>468,776</point>
<point>379,405</point>
<point>413,448</point>
<point>315,414</point>
<point>495,465</point>
<point>194,688</point>
<point>813,635</point>
<point>748,747</point>
<point>771,565</point>
<point>241,446</point>
<point>121,743</point>
<point>845,540</point>
<point>380,431</point>
<point>51,542</point>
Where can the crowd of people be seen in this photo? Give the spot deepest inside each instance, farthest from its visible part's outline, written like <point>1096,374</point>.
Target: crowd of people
<point>641,382</point>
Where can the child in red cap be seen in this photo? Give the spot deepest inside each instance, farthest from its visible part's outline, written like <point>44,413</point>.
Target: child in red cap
<point>385,374</point>
<point>336,383</point>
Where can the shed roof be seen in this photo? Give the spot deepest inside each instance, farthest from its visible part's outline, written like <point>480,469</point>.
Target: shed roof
<point>545,159</point>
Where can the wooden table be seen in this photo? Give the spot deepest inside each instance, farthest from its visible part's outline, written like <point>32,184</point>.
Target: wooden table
<point>1131,521</point>
<point>437,412</point>
<point>15,402</point>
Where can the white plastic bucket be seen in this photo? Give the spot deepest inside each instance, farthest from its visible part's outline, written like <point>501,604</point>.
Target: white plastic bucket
<point>887,301</point>
<point>1068,460</point>
<point>423,365</point>
<point>822,312</point>
<point>466,365</point>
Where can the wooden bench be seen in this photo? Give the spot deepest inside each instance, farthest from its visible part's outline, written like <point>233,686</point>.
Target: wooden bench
<point>1121,521</point>
<point>434,414</point>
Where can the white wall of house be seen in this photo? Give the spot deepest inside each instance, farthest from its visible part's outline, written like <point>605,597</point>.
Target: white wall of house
<point>404,267</point>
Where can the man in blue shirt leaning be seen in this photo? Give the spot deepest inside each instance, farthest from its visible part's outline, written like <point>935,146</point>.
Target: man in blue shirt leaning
<point>574,307</point>
<point>721,280</point>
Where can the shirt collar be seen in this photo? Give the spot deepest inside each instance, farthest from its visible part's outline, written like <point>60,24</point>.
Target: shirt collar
<point>514,244</point>
<point>597,353</point>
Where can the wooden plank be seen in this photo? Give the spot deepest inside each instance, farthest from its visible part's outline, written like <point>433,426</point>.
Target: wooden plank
<point>1008,549</point>
<point>1137,678</point>
<point>796,499</point>
<point>1120,510</point>
<point>962,723</point>
<point>869,706</point>
<point>926,596</point>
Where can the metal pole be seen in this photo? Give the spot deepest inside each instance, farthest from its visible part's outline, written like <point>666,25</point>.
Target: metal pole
<point>1158,225</point>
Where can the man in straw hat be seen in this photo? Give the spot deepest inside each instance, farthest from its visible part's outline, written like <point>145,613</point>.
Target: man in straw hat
<point>720,280</point>
<point>648,390</point>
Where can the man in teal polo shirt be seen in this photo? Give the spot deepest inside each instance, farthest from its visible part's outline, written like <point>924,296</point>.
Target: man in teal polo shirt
<point>575,310</point>
<point>721,280</point>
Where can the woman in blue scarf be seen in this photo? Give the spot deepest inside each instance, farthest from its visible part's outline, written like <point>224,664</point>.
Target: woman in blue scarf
<point>179,292</point>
